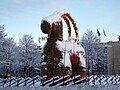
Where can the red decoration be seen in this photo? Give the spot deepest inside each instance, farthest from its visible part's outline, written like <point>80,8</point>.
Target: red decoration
<point>52,26</point>
<point>49,76</point>
<point>73,58</point>
<point>82,75</point>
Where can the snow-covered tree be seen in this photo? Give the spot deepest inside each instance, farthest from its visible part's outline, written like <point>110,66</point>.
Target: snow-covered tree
<point>95,54</point>
<point>2,38</point>
<point>13,57</point>
<point>27,52</point>
<point>101,61</point>
<point>9,53</point>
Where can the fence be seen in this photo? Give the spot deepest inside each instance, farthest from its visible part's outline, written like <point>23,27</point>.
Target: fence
<point>63,81</point>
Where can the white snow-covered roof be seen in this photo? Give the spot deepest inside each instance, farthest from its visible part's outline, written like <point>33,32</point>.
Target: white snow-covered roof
<point>55,17</point>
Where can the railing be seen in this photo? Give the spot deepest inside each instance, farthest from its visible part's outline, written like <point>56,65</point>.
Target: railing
<point>63,81</point>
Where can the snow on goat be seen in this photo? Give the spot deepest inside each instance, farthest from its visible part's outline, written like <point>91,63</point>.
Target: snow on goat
<point>70,45</point>
<point>55,17</point>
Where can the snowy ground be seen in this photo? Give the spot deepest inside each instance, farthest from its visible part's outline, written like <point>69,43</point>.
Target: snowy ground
<point>76,87</point>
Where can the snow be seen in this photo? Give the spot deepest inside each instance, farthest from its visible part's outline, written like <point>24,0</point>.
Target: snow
<point>55,17</point>
<point>71,45</point>
<point>43,63</point>
<point>72,87</point>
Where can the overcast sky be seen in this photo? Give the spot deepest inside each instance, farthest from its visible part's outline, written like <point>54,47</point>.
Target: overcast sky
<point>24,16</point>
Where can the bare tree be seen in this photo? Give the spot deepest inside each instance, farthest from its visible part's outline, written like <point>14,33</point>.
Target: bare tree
<point>27,51</point>
<point>27,43</point>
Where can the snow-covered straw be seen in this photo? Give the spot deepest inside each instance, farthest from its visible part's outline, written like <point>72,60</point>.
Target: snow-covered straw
<point>55,17</point>
<point>70,45</point>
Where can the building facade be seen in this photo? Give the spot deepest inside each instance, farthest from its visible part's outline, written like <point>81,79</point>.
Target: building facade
<point>113,51</point>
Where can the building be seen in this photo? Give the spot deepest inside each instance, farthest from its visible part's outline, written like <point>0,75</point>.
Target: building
<point>113,51</point>
<point>111,58</point>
